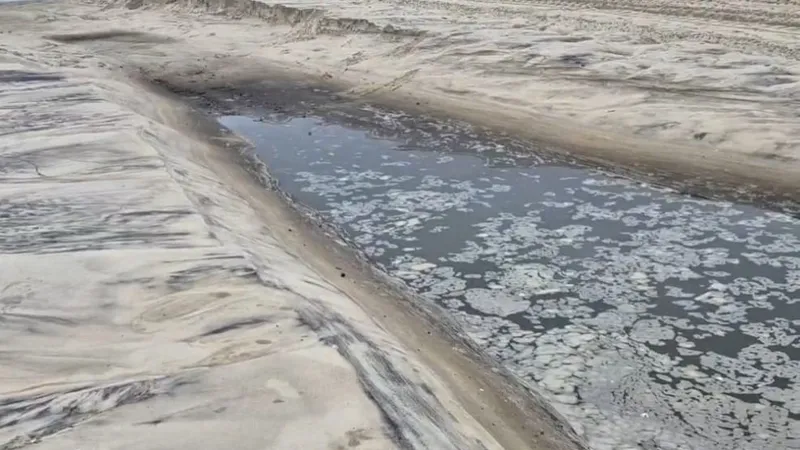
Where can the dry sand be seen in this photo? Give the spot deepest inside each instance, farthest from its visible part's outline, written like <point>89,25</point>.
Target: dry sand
<point>155,295</point>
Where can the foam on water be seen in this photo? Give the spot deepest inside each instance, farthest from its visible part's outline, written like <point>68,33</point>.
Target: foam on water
<point>650,319</point>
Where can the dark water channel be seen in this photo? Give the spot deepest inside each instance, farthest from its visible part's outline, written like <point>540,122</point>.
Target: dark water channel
<point>651,320</point>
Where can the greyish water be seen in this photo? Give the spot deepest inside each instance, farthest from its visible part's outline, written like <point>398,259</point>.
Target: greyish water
<point>650,319</point>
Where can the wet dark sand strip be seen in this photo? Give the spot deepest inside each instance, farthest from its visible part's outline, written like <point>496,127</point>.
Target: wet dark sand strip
<point>282,91</point>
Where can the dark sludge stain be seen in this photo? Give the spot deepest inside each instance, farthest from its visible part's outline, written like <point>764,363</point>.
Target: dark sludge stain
<point>50,413</point>
<point>168,417</point>
<point>73,241</point>
<point>137,37</point>
<point>772,156</point>
<point>171,212</point>
<point>27,128</point>
<point>20,76</point>
<point>426,388</point>
<point>356,437</point>
<point>391,428</point>
<point>136,281</point>
<point>157,421</point>
<point>398,398</point>
<point>578,59</point>
<point>28,319</point>
<point>187,277</point>
<point>274,284</point>
<point>255,321</point>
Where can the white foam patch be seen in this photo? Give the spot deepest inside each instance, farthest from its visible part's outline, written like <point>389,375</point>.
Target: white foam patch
<point>496,303</point>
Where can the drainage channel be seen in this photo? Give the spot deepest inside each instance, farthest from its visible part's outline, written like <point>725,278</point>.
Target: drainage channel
<point>651,320</point>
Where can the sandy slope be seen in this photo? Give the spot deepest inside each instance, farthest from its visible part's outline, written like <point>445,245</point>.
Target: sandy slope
<point>724,74</point>
<point>705,90</point>
<point>694,90</point>
<point>154,295</point>
<point>117,291</point>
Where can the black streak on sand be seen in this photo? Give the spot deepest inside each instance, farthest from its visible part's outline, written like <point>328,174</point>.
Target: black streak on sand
<point>50,413</point>
<point>391,391</point>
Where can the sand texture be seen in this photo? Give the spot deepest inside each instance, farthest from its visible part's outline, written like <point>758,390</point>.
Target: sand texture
<point>129,322</point>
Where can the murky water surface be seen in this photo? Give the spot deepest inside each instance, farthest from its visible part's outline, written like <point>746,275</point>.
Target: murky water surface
<point>651,320</point>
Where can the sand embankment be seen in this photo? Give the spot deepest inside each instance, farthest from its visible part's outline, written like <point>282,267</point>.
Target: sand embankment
<point>699,91</point>
<point>155,295</point>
